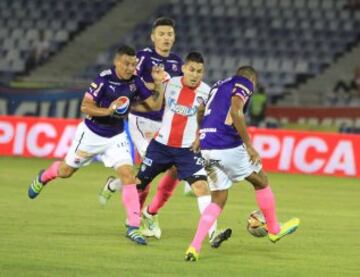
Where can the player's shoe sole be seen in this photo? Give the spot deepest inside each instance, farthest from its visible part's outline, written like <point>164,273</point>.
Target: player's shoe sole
<point>287,228</point>
<point>191,255</point>
<point>36,186</point>
<point>220,237</point>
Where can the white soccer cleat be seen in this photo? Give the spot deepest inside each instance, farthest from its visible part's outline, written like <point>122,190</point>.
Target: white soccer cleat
<point>150,225</point>
<point>105,194</point>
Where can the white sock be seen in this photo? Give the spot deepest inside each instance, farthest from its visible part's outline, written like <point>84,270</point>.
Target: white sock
<point>187,187</point>
<point>115,185</point>
<point>203,202</point>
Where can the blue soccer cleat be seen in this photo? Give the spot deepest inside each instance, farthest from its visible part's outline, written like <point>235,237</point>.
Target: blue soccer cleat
<point>36,186</point>
<point>218,237</point>
<point>134,234</point>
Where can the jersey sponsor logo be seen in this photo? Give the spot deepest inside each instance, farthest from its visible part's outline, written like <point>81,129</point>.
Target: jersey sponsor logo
<point>208,130</point>
<point>124,104</point>
<point>155,59</point>
<point>115,83</point>
<point>180,109</point>
<point>112,88</point>
<point>94,85</point>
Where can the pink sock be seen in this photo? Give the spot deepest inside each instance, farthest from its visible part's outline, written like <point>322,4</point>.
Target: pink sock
<point>143,195</point>
<point>266,202</point>
<point>51,173</point>
<point>208,217</point>
<point>130,198</point>
<point>164,191</point>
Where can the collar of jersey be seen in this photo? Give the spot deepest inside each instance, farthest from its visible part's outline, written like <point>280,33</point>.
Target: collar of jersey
<point>184,85</point>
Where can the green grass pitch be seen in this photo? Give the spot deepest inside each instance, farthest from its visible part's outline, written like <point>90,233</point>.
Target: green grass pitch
<point>64,232</point>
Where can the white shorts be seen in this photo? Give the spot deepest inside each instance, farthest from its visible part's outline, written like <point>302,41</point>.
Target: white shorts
<point>227,166</point>
<point>142,130</point>
<point>113,152</point>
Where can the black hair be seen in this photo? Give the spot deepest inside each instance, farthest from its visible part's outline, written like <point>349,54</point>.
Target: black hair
<point>246,71</point>
<point>163,21</point>
<point>194,57</point>
<point>125,50</point>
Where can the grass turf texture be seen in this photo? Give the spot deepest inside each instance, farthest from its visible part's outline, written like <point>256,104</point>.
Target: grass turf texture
<point>64,232</point>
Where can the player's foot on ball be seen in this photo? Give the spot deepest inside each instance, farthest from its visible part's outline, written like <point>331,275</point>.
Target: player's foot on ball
<point>191,255</point>
<point>287,228</point>
<point>150,225</point>
<point>36,186</point>
<point>134,234</point>
<point>218,237</point>
<point>106,193</point>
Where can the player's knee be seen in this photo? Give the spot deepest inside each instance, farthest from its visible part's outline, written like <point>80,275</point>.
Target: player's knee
<point>126,174</point>
<point>65,171</point>
<point>200,188</point>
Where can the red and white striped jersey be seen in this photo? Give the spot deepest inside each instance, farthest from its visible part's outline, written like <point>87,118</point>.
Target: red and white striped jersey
<point>179,124</point>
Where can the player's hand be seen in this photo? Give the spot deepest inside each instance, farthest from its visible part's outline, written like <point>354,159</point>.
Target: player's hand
<point>195,147</point>
<point>112,109</point>
<point>253,154</point>
<point>113,106</point>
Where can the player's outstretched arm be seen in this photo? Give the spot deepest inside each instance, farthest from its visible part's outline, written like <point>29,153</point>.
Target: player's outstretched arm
<point>89,107</point>
<point>239,122</point>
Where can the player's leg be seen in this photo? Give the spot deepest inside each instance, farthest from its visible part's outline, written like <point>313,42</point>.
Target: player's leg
<point>266,202</point>
<point>190,164</point>
<point>207,219</point>
<point>117,155</point>
<point>141,131</point>
<point>157,160</point>
<point>130,200</point>
<point>75,158</point>
<point>219,183</point>
<point>164,191</point>
<point>55,170</point>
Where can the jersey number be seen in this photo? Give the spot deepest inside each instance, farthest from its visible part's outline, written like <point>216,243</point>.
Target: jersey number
<point>208,104</point>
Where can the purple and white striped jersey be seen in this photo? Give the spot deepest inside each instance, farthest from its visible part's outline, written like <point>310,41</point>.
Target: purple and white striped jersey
<point>217,130</point>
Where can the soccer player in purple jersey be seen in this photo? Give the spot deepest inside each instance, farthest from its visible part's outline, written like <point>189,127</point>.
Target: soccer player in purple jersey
<point>106,103</point>
<point>230,157</point>
<point>143,125</point>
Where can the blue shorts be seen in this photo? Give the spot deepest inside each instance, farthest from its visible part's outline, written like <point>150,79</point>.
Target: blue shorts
<point>160,157</point>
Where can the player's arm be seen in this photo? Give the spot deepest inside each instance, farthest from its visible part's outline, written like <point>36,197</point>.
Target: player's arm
<point>199,117</point>
<point>91,108</point>
<point>239,122</point>
<point>155,101</point>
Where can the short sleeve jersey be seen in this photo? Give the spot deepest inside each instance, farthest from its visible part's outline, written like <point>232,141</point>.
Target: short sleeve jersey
<point>179,124</point>
<point>217,130</point>
<point>108,87</point>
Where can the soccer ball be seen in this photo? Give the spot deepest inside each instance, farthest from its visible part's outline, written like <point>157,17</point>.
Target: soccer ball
<point>256,225</point>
